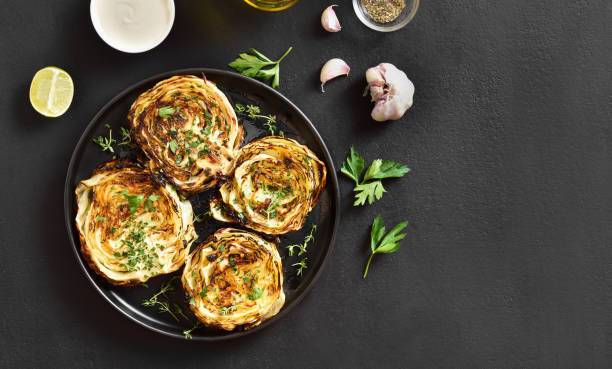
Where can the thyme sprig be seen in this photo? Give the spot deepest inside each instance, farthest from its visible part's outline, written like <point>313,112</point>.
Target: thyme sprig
<point>301,248</point>
<point>160,299</point>
<point>254,113</point>
<point>106,143</point>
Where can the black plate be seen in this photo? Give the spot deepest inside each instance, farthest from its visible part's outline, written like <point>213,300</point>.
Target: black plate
<point>239,89</point>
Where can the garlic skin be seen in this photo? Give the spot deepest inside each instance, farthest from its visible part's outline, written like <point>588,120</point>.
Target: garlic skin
<point>332,69</point>
<point>329,20</point>
<point>391,90</point>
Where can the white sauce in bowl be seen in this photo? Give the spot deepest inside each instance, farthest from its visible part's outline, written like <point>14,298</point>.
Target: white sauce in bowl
<point>132,26</point>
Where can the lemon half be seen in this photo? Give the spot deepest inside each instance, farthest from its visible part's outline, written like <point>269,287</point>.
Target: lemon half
<point>51,91</point>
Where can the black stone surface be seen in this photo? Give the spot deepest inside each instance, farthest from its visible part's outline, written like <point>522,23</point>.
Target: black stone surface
<point>508,263</point>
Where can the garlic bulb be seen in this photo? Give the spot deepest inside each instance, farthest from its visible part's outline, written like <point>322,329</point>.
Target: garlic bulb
<point>391,90</point>
<point>329,20</point>
<point>332,69</point>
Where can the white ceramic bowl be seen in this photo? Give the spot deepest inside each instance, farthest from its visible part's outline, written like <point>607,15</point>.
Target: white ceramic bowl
<point>404,18</point>
<point>130,14</point>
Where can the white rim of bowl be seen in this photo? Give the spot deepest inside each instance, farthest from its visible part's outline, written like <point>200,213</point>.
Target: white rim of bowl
<point>96,23</point>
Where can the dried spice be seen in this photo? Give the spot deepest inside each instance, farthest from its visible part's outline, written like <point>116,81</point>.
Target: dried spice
<point>383,11</point>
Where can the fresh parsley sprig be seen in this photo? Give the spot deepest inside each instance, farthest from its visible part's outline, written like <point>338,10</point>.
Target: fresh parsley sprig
<point>256,65</point>
<point>370,187</point>
<point>381,243</point>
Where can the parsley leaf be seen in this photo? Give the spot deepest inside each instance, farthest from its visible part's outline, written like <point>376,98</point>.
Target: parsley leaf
<point>381,243</point>
<point>255,294</point>
<point>371,192</point>
<point>165,111</point>
<point>353,166</point>
<point>134,201</point>
<point>150,201</point>
<point>256,65</point>
<point>173,146</point>
<point>381,169</point>
<point>370,188</point>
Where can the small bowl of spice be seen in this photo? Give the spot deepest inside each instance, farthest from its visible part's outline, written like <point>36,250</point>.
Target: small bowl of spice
<point>385,15</point>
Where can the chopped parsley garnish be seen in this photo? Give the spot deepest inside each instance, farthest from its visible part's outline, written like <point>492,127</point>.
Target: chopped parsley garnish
<point>165,112</point>
<point>139,255</point>
<point>226,310</point>
<point>204,151</point>
<point>173,146</point>
<point>100,218</point>
<point>150,201</point>
<point>255,294</point>
<point>203,292</point>
<point>134,201</point>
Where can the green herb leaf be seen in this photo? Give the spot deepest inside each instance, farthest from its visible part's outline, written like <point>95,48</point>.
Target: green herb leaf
<point>302,265</point>
<point>254,112</point>
<point>353,166</point>
<point>370,188</point>
<point>134,201</point>
<point>381,169</point>
<point>126,137</point>
<point>203,292</point>
<point>160,300</point>
<point>371,192</point>
<point>256,65</point>
<point>377,233</point>
<point>173,146</point>
<point>300,249</point>
<point>106,143</point>
<point>384,244</point>
<point>187,332</point>
<point>255,294</point>
<point>165,111</point>
<point>150,201</point>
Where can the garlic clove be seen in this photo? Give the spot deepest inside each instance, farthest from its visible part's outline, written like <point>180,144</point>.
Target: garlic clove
<point>391,91</point>
<point>332,69</point>
<point>329,20</point>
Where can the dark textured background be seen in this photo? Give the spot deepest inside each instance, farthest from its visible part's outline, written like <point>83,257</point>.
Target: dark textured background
<point>508,263</point>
